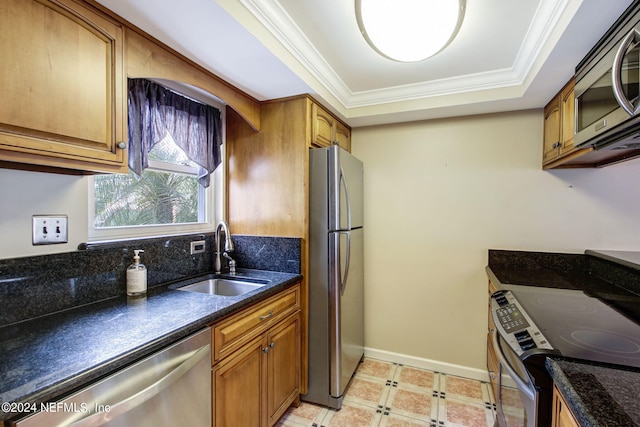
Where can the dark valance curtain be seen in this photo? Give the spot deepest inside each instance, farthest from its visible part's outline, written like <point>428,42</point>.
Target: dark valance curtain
<point>155,111</point>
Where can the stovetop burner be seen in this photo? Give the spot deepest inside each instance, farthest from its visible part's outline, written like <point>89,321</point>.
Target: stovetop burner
<point>581,326</point>
<point>605,343</point>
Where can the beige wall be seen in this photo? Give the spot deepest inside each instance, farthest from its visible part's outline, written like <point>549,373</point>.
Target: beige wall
<point>439,194</point>
<point>24,194</point>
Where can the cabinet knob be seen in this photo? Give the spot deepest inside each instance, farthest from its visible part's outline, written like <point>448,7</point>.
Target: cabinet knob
<point>122,145</point>
<point>266,349</point>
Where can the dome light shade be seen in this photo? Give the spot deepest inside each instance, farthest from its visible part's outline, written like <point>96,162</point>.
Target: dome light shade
<point>409,30</point>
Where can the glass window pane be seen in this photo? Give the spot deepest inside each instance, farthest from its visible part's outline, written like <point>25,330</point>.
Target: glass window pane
<point>168,151</point>
<point>156,198</point>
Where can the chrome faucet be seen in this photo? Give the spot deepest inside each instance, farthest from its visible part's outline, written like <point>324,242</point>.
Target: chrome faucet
<point>228,247</point>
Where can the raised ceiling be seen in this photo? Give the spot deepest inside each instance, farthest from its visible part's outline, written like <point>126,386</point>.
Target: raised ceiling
<point>508,55</point>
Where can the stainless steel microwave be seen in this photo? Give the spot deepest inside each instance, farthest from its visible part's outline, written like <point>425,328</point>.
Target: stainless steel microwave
<point>607,89</point>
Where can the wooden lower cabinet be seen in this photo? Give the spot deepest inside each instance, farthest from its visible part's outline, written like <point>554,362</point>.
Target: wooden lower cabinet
<point>238,384</point>
<point>283,368</point>
<point>259,378</point>
<point>562,415</point>
<point>492,367</point>
<point>492,358</point>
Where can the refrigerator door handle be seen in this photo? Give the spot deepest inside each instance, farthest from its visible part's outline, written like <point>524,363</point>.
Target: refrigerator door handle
<point>343,182</point>
<point>343,279</point>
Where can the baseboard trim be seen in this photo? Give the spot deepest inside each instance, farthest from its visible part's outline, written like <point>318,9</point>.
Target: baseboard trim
<point>432,365</point>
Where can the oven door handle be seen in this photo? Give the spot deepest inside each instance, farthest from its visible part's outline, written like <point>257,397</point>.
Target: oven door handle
<point>525,388</point>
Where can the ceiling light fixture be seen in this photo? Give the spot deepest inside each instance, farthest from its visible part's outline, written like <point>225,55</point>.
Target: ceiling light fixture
<point>409,30</point>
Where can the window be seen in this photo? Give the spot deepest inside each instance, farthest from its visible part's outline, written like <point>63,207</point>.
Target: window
<point>167,198</point>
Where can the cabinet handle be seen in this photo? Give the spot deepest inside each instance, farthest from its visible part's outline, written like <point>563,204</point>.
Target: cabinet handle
<point>266,316</point>
<point>266,349</point>
<point>556,145</point>
<point>122,145</point>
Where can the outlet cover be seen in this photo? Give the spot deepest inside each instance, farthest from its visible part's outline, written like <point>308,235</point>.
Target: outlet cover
<point>198,247</point>
<point>49,229</point>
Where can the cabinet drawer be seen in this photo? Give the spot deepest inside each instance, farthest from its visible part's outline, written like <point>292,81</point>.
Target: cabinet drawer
<point>236,330</point>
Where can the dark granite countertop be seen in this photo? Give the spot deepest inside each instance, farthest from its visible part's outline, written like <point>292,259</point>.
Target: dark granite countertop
<point>45,358</point>
<point>598,395</point>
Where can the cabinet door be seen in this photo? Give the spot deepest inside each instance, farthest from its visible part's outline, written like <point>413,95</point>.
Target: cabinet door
<point>567,115</point>
<point>322,125</point>
<point>551,131</point>
<point>343,136</point>
<point>562,416</point>
<point>239,386</point>
<point>62,70</point>
<point>492,367</point>
<point>283,365</point>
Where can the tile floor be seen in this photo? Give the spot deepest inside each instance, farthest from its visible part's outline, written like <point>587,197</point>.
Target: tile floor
<point>391,395</point>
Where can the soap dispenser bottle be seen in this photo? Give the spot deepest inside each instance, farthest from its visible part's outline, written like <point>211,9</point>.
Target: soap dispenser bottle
<point>136,276</point>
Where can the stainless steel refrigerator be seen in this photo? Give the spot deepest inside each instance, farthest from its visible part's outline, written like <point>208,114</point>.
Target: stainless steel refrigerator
<point>336,273</point>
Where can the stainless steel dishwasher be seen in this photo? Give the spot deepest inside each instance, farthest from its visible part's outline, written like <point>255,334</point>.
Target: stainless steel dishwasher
<point>169,388</point>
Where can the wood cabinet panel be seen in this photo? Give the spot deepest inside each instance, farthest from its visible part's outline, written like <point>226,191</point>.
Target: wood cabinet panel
<point>562,415</point>
<point>267,177</point>
<point>283,365</point>
<point>492,358</point>
<point>492,367</point>
<point>62,71</point>
<point>234,331</point>
<point>147,58</point>
<point>552,129</point>
<point>327,130</point>
<point>239,387</point>
<point>258,375</point>
<point>567,113</point>
<point>343,136</point>
<point>322,127</point>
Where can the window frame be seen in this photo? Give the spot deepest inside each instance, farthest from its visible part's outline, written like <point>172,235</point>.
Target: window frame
<point>214,200</point>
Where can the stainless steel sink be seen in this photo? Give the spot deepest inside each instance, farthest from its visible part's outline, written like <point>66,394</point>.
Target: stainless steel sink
<point>224,287</point>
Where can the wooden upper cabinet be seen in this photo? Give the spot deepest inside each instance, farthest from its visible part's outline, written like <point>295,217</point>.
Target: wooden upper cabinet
<point>559,133</point>
<point>322,127</point>
<point>567,114</point>
<point>268,170</point>
<point>63,86</point>
<point>343,136</point>
<point>327,130</point>
<point>559,125</point>
<point>551,141</point>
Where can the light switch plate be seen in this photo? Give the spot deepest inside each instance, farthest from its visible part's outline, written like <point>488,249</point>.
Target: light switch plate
<point>49,229</point>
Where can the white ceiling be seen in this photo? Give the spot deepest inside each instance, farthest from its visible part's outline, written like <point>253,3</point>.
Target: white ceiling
<point>508,55</point>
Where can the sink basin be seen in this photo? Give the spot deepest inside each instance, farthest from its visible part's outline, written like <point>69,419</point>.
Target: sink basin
<point>224,287</point>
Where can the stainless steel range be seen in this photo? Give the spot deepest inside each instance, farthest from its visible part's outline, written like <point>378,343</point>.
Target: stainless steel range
<point>535,322</point>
